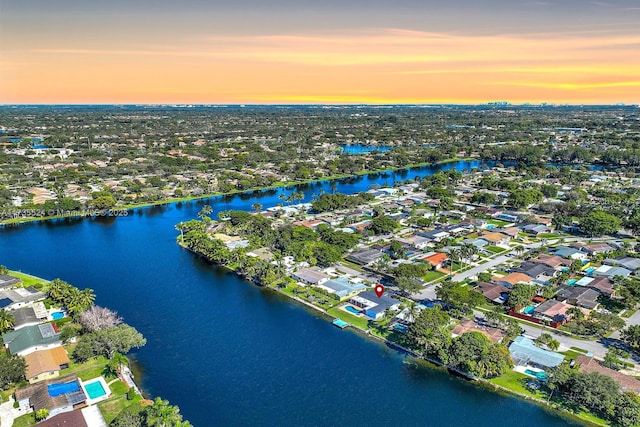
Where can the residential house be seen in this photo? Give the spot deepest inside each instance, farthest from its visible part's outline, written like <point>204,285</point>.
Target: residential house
<point>570,253</point>
<point>435,235</point>
<point>342,287</point>
<point>525,353</point>
<point>7,281</point>
<point>374,306</point>
<point>510,231</point>
<point>553,261</point>
<point>436,259</point>
<point>64,395</point>
<point>494,238</point>
<point>365,256</point>
<point>419,242</point>
<point>46,364</point>
<point>579,296</point>
<point>601,285</point>
<point>31,338</point>
<point>493,292</point>
<point>536,229</point>
<point>594,248</point>
<point>627,382</point>
<point>552,311</point>
<point>310,276</point>
<point>11,299</point>
<point>494,334</point>
<point>25,316</point>
<point>540,273</point>
<point>66,419</point>
<point>511,279</point>
<point>611,272</point>
<point>478,243</point>
<point>313,224</point>
<point>507,216</point>
<point>406,317</point>
<point>631,264</point>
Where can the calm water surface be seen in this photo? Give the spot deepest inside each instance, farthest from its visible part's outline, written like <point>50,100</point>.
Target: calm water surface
<point>230,353</point>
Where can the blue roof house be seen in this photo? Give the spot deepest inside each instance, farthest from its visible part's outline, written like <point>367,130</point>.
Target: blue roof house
<point>342,287</point>
<point>525,353</point>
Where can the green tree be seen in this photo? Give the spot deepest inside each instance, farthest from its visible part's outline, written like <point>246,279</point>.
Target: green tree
<point>107,342</point>
<point>631,336</point>
<point>613,358</point>
<point>3,270</point>
<point>598,223</point>
<point>42,414</point>
<point>547,340</point>
<point>408,285</point>
<point>520,295</point>
<point>6,321</point>
<point>162,414</point>
<point>12,370</point>
<point>429,332</point>
<point>475,354</point>
<point>382,225</point>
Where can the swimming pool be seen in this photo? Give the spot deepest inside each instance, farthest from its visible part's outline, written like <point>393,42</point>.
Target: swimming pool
<point>400,328</point>
<point>590,270</point>
<point>571,282</point>
<point>542,376</point>
<point>56,315</point>
<point>490,226</point>
<point>352,310</point>
<point>529,309</point>
<point>57,389</point>
<point>95,389</point>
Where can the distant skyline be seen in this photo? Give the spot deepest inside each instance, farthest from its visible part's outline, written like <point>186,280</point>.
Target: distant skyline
<point>334,51</point>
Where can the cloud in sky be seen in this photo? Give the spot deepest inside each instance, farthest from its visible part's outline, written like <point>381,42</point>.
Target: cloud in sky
<point>566,60</point>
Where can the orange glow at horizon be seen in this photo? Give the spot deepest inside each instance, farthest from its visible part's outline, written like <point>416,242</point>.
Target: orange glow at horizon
<point>366,66</point>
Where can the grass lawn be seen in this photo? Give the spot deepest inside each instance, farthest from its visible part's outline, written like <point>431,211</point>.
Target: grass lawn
<point>27,279</point>
<point>572,354</point>
<point>359,322</point>
<point>118,388</point>
<point>494,249</point>
<point>110,408</point>
<point>85,371</point>
<point>432,275</point>
<point>515,381</point>
<point>548,236</point>
<point>25,420</point>
<point>498,223</point>
<point>351,265</point>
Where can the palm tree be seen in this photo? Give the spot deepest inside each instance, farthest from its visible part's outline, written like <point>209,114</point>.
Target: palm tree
<point>6,321</point>
<point>162,414</point>
<point>454,254</point>
<point>412,311</point>
<point>205,212</point>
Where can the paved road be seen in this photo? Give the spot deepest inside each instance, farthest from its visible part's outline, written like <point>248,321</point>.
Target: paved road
<point>461,277</point>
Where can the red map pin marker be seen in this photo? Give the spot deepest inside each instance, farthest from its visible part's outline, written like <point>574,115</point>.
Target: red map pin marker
<point>379,290</point>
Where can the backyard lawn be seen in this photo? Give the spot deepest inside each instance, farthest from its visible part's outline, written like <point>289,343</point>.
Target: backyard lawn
<point>357,321</point>
<point>27,279</point>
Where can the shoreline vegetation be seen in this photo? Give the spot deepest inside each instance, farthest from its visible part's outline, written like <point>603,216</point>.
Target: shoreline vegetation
<point>172,200</point>
<point>582,416</point>
<point>128,404</point>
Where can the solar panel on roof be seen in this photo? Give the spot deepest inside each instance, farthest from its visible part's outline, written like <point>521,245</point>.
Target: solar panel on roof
<point>76,397</point>
<point>46,330</point>
<point>5,302</point>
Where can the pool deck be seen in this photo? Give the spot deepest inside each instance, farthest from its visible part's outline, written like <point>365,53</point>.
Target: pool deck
<point>106,388</point>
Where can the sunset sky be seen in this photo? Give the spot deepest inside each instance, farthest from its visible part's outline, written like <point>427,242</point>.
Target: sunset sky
<point>329,51</point>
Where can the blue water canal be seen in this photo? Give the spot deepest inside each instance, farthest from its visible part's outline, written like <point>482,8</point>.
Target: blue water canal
<point>230,353</point>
